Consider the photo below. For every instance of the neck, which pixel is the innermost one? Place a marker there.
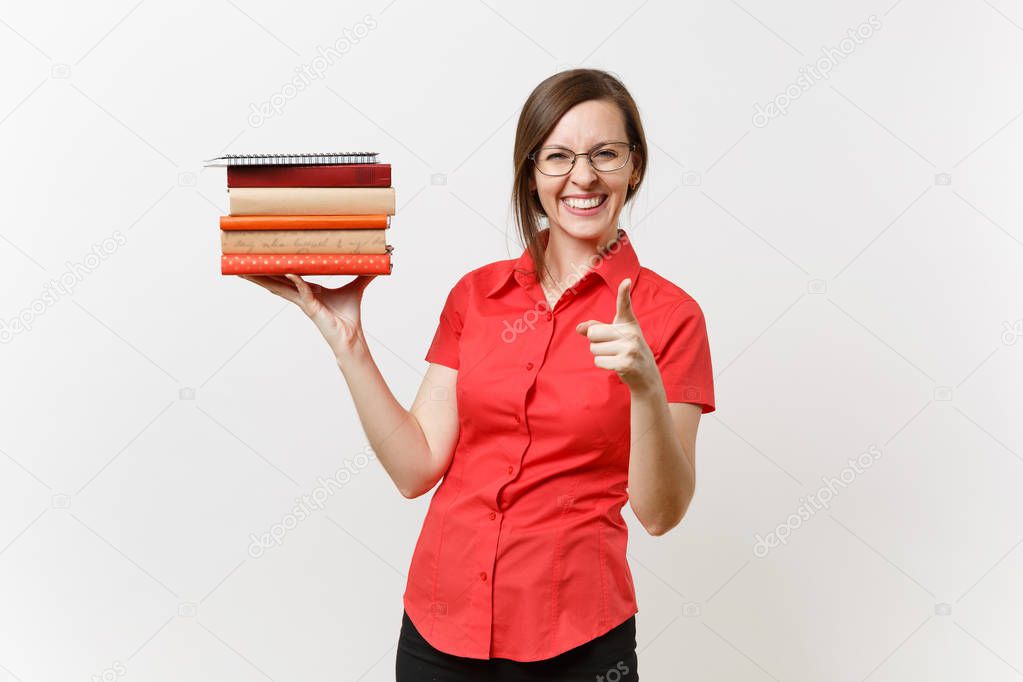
(569, 258)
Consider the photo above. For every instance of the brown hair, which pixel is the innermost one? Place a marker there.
(540, 114)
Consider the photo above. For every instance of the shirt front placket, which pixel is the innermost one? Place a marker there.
(532, 356)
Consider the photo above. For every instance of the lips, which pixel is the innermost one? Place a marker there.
(585, 207)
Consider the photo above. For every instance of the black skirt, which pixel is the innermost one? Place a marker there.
(611, 657)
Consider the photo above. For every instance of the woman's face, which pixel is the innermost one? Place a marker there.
(582, 127)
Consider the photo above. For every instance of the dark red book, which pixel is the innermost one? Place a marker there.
(337, 175)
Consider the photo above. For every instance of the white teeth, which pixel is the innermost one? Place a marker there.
(583, 203)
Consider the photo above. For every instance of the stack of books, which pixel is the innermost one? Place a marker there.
(306, 214)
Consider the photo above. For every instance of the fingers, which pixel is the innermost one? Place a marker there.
(301, 285)
(624, 312)
(305, 292)
(358, 285)
(362, 281)
(609, 347)
(600, 331)
(267, 281)
(284, 290)
(263, 279)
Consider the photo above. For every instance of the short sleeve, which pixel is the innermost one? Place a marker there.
(444, 347)
(683, 357)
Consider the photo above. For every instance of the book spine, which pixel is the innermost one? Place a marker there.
(351, 175)
(311, 200)
(304, 222)
(305, 264)
(303, 241)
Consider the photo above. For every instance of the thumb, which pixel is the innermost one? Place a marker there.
(359, 284)
(624, 312)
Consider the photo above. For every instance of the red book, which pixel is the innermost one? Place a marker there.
(339, 175)
(303, 222)
(305, 263)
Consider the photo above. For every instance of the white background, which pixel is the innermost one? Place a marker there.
(858, 260)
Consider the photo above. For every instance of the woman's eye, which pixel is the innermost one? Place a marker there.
(556, 156)
(606, 154)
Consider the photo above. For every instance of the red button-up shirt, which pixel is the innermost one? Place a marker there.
(522, 553)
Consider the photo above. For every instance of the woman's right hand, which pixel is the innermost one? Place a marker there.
(336, 312)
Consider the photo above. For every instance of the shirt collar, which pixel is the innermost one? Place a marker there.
(619, 262)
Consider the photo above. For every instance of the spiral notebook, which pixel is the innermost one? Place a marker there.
(327, 158)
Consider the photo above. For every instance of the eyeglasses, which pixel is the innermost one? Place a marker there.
(605, 158)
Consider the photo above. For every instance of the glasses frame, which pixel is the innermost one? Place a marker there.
(588, 155)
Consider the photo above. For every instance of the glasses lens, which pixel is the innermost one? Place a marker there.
(553, 161)
(611, 156)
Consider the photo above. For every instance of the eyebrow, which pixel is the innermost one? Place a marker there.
(561, 146)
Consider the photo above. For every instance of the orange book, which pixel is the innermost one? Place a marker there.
(306, 264)
(303, 222)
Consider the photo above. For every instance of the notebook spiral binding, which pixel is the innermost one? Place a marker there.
(318, 159)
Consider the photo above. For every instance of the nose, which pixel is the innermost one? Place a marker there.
(582, 173)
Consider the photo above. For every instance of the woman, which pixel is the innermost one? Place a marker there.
(562, 384)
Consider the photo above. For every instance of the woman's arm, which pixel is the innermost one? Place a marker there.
(662, 455)
(662, 459)
(414, 446)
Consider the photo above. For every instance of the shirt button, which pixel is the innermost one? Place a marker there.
(529, 365)
(483, 576)
(493, 515)
(518, 419)
(511, 469)
(550, 315)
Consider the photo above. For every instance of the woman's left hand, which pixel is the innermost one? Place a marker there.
(621, 346)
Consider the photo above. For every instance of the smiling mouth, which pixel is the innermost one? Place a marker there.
(584, 204)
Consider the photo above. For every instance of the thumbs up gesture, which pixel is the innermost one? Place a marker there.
(620, 345)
